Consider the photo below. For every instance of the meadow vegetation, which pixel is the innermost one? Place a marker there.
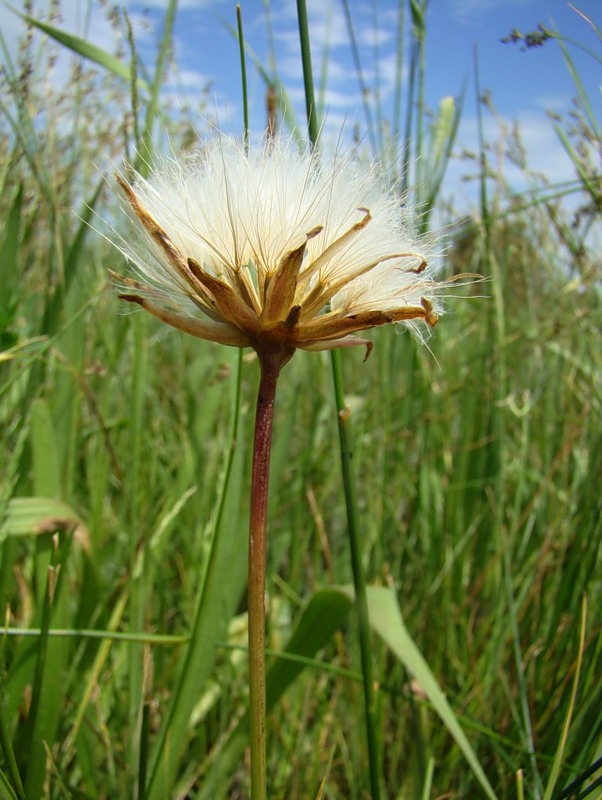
(125, 476)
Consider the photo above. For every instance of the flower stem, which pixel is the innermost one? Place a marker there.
(271, 361)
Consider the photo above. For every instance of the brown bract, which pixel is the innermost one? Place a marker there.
(287, 307)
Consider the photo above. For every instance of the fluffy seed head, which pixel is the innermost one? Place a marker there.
(274, 246)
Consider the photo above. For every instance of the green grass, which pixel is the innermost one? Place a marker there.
(478, 483)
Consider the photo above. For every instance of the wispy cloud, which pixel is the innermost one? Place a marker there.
(468, 12)
(182, 4)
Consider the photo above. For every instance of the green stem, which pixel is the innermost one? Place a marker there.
(359, 580)
(361, 600)
(420, 33)
(308, 76)
(271, 361)
(243, 75)
(13, 778)
(365, 93)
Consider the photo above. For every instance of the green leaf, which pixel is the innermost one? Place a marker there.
(11, 786)
(29, 347)
(583, 97)
(9, 266)
(560, 750)
(443, 127)
(76, 247)
(443, 136)
(418, 9)
(82, 48)
(590, 183)
(8, 793)
(153, 104)
(37, 515)
(323, 615)
(387, 622)
(43, 444)
(39, 735)
(220, 591)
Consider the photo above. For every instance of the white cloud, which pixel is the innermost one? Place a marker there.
(468, 12)
(182, 4)
(190, 79)
(558, 103)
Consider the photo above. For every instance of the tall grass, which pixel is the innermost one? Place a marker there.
(125, 483)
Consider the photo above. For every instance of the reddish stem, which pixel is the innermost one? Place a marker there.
(271, 361)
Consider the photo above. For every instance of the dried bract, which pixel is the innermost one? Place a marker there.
(273, 246)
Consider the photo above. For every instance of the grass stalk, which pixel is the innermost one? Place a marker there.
(8, 752)
(308, 75)
(243, 77)
(404, 181)
(152, 109)
(359, 579)
(557, 764)
(344, 428)
(380, 126)
(171, 739)
(357, 62)
(419, 9)
(399, 54)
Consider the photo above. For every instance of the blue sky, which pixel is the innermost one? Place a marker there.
(524, 85)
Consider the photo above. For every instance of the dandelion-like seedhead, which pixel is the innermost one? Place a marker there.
(273, 247)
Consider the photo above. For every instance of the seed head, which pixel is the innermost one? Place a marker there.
(274, 246)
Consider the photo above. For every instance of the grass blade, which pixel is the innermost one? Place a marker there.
(82, 48)
(11, 784)
(323, 615)
(558, 756)
(152, 107)
(219, 591)
(387, 622)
